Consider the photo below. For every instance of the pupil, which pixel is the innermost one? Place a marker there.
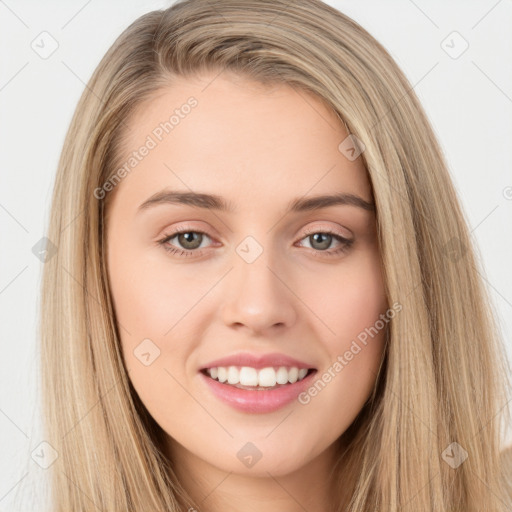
(188, 238)
(323, 244)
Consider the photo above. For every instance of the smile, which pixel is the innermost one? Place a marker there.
(246, 377)
(267, 391)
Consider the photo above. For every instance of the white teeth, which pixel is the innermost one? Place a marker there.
(282, 375)
(265, 377)
(293, 375)
(248, 376)
(233, 375)
(222, 374)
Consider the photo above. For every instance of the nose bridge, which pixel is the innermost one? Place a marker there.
(258, 296)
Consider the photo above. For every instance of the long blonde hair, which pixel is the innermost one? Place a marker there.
(444, 377)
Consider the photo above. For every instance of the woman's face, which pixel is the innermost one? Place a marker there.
(275, 273)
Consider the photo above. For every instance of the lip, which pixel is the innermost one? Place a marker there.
(258, 361)
(257, 401)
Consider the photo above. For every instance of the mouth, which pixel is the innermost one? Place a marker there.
(252, 379)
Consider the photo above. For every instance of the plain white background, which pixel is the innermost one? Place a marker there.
(468, 100)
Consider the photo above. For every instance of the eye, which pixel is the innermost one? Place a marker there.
(322, 240)
(191, 240)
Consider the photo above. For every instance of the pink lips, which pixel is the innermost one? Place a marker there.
(257, 401)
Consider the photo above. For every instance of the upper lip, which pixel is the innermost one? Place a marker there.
(258, 361)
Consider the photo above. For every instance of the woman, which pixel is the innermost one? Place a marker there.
(263, 366)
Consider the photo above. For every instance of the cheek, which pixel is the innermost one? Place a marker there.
(160, 313)
(152, 303)
(150, 295)
(352, 298)
(144, 305)
(352, 310)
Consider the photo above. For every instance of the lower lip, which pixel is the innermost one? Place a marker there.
(257, 401)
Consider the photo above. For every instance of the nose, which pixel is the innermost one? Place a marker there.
(258, 296)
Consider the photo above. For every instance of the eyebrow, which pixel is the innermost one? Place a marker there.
(215, 202)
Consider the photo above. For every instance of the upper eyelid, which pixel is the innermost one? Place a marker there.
(205, 232)
(333, 231)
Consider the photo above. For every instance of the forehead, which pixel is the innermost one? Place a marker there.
(227, 135)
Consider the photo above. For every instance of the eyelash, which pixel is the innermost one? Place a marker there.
(346, 243)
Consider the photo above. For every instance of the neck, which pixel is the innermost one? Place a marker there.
(311, 487)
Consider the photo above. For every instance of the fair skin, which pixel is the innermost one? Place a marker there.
(259, 149)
